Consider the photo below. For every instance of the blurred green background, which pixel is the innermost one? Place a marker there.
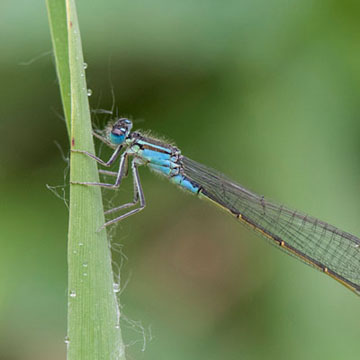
(264, 91)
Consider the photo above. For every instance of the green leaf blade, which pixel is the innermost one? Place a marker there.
(93, 309)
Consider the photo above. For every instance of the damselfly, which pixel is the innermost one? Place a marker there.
(325, 247)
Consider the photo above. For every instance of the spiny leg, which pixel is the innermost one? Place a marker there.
(107, 172)
(113, 173)
(124, 206)
(119, 176)
(113, 157)
(140, 195)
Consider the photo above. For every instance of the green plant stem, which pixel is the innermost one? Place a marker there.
(93, 310)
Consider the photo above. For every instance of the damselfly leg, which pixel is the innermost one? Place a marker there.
(138, 197)
(120, 174)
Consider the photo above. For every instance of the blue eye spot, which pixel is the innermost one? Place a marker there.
(117, 139)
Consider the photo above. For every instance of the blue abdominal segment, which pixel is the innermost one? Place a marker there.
(164, 170)
(164, 161)
(185, 183)
(156, 157)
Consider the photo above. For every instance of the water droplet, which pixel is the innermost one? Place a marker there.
(117, 326)
(85, 274)
(72, 293)
(67, 340)
(85, 65)
(116, 287)
(89, 92)
(85, 264)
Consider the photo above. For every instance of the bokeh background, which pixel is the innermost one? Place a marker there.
(264, 91)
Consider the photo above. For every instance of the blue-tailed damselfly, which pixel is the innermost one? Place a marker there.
(327, 248)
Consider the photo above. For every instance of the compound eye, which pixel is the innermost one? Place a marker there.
(117, 136)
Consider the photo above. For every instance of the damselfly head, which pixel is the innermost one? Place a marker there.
(120, 131)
